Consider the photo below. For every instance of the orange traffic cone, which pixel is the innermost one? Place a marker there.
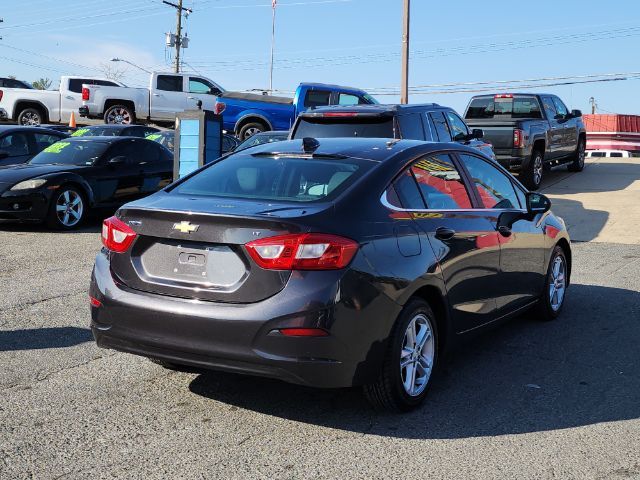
(72, 120)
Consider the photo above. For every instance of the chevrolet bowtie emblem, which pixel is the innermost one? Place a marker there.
(185, 227)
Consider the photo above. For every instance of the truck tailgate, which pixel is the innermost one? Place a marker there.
(499, 134)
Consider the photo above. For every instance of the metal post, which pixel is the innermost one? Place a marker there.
(273, 39)
(404, 82)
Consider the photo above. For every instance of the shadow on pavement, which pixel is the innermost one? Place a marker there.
(41, 338)
(525, 376)
(583, 224)
(92, 224)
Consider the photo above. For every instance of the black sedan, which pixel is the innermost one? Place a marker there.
(141, 131)
(19, 144)
(331, 264)
(60, 184)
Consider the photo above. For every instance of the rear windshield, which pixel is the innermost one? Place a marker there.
(319, 127)
(97, 131)
(275, 178)
(518, 106)
(71, 153)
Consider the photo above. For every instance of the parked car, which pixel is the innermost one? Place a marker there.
(20, 144)
(67, 179)
(167, 138)
(13, 83)
(141, 131)
(246, 114)
(34, 107)
(328, 263)
(530, 133)
(167, 94)
(430, 122)
(263, 137)
(608, 153)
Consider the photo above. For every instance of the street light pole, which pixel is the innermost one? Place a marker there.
(273, 39)
(130, 63)
(404, 82)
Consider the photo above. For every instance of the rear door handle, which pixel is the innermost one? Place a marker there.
(444, 233)
(191, 98)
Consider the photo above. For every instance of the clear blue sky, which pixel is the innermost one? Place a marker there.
(353, 42)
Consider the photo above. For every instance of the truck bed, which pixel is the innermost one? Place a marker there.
(255, 97)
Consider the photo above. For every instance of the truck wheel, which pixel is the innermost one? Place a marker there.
(531, 175)
(578, 159)
(250, 129)
(30, 116)
(119, 115)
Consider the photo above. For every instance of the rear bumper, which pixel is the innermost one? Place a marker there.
(3, 114)
(83, 111)
(24, 206)
(244, 338)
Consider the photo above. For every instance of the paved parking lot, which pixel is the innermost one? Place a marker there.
(528, 400)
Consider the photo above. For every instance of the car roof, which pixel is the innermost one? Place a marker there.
(110, 126)
(25, 128)
(103, 139)
(376, 149)
(374, 108)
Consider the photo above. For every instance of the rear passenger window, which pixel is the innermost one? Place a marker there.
(440, 182)
(169, 83)
(348, 99)
(616, 155)
(407, 192)
(316, 98)
(459, 129)
(411, 126)
(493, 186)
(442, 128)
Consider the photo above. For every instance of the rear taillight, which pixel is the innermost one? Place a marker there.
(94, 302)
(518, 138)
(85, 94)
(305, 251)
(219, 108)
(117, 236)
(1, 93)
(304, 332)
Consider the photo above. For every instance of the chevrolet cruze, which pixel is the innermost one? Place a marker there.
(328, 263)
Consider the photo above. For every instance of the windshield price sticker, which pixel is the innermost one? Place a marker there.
(80, 133)
(154, 136)
(56, 147)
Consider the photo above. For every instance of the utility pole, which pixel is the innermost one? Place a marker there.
(178, 43)
(594, 105)
(404, 82)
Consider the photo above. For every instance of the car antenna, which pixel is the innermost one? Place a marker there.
(310, 144)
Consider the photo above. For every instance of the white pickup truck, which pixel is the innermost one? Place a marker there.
(167, 94)
(33, 107)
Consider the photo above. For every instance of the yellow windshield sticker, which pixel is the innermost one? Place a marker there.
(154, 136)
(80, 132)
(56, 147)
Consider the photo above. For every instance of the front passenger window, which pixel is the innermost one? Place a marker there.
(493, 186)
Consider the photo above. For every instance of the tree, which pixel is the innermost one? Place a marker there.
(42, 83)
(111, 72)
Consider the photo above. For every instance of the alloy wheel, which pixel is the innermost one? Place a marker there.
(537, 169)
(417, 355)
(581, 153)
(557, 283)
(119, 116)
(30, 118)
(250, 132)
(69, 208)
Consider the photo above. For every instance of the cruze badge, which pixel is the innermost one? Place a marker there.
(185, 227)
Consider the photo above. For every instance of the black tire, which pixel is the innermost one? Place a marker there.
(531, 175)
(250, 129)
(30, 116)
(119, 115)
(56, 218)
(388, 392)
(545, 309)
(578, 158)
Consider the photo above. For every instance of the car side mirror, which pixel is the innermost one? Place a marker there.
(3, 154)
(576, 113)
(537, 203)
(477, 133)
(559, 116)
(119, 160)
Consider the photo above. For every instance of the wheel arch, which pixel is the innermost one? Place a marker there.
(566, 248)
(80, 183)
(20, 105)
(436, 300)
(112, 102)
(251, 117)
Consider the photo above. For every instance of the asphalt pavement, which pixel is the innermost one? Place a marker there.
(526, 400)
